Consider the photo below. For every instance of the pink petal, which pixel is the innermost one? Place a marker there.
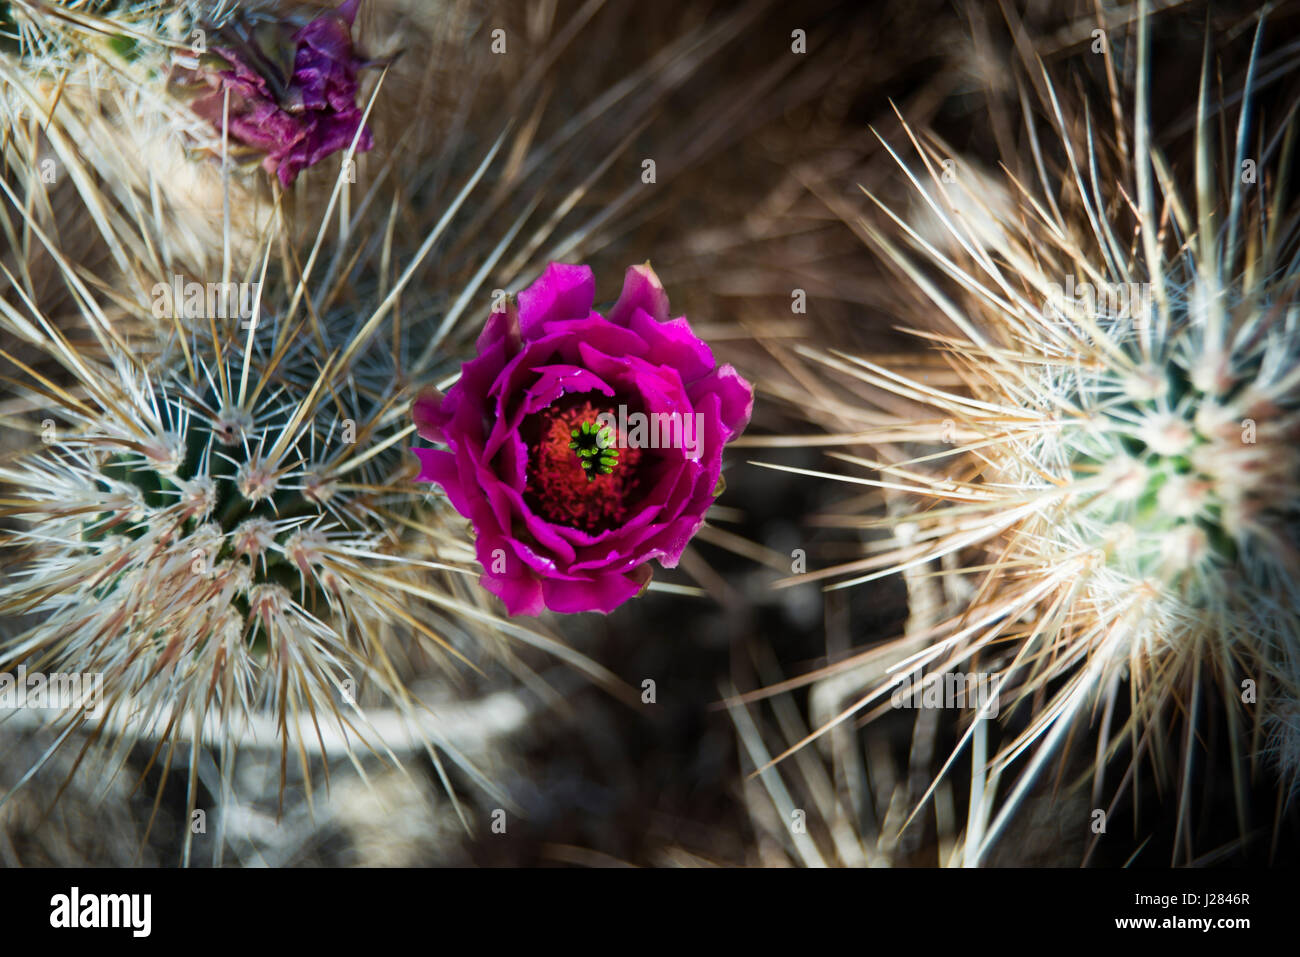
(599, 332)
(518, 588)
(554, 381)
(427, 412)
(438, 466)
(502, 325)
(641, 290)
(673, 343)
(735, 394)
(348, 11)
(561, 292)
(601, 593)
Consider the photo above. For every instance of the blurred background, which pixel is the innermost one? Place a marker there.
(763, 120)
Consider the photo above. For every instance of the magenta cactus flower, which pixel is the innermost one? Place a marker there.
(582, 446)
(293, 95)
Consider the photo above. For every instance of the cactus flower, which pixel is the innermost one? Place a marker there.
(293, 95)
(582, 446)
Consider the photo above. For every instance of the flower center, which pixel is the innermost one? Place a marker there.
(577, 473)
(593, 443)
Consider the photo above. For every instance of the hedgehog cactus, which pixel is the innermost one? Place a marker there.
(1121, 471)
(214, 508)
(223, 540)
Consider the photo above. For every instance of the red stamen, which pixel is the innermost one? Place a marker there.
(559, 489)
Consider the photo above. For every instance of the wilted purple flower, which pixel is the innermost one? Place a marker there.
(580, 446)
(293, 95)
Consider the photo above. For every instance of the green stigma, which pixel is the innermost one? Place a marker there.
(593, 444)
